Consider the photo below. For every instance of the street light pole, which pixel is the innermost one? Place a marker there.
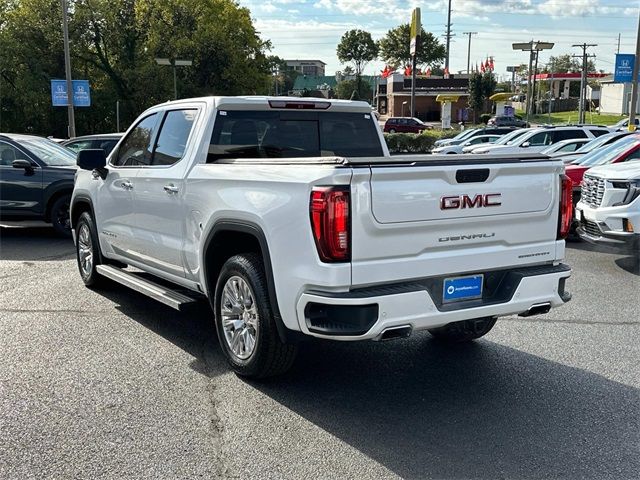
(71, 129)
(634, 84)
(174, 63)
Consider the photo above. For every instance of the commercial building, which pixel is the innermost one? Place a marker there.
(615, 98)
(307, 67)
(394, 96)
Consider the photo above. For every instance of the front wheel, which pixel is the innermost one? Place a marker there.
(464, 331)
(392, 130)
(245, 322)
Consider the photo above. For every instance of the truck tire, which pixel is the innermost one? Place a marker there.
(245, 322)
(88, 251)
(60, 218)
(464, 331)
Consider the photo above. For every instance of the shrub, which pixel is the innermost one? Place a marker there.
(414, 142)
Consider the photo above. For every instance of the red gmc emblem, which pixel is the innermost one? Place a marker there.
(465, 201)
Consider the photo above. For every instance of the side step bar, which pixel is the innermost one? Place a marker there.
(150, 289)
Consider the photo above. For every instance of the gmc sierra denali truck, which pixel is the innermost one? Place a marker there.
(292, 218)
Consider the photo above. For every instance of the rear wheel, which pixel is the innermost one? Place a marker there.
(392, 130)
(245, 322)
(464, 331)
(60, 216)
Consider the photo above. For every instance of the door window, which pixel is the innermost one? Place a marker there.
(570, 147)
(560, 135)
(136, 148)
(539, 139)
(8, 154)
(79, 145)
(173, 136)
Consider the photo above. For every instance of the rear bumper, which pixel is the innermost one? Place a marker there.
(365, 314)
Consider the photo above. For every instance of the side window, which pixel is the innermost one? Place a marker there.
(560, 135)
(542, 138)
(106, 145)
(570, 147)
(8, 154)
(79, 145)
(635, 155)
(173, 136)
(136, 148)
(597, 133)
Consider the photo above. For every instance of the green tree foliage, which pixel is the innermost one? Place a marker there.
(394, 48)
(481, 87)
(285, 75)
(346, 89)
(358, 48)
(113, 45)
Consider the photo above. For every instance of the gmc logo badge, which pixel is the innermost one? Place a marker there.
(465, 201)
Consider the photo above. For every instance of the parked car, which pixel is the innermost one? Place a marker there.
(292, 218)
(506, 139)
(593, 144)
(469, 143)
(459, 137)
(475, 133)
(609, 209)
(36, 180)
(565, 146)
(104, 141)
(624, 124)
(405, 125)
(623, 150)
(538, 139)
(508, 121)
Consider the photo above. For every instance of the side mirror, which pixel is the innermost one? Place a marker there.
(22, 163)
(92, 159)
(526, 144)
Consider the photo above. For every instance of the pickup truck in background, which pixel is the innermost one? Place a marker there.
(294, 221)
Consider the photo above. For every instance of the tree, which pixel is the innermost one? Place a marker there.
(347, 88)
(567, 64)
(481, 87)
(394, 48)
(358, 48)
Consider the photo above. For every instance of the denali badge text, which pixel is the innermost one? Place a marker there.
(466, 201)
(472, 236)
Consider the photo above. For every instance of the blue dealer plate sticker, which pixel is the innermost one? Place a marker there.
(462, 288)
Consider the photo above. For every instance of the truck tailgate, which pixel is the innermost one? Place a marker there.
(438, 218)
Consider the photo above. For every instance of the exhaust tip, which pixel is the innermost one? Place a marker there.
(391, 333)
(539, 309)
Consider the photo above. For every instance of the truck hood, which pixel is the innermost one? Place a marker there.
(618, 171)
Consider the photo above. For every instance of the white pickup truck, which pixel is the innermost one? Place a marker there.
(292, 218)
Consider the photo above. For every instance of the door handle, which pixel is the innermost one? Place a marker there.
(126, 184)
(171, 188)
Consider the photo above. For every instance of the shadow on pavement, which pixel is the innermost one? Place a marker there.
(481, 410)
(422, 409)
(34, 244)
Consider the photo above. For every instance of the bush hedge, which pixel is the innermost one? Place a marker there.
(416, 142)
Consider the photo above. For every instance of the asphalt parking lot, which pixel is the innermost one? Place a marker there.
(111, 384)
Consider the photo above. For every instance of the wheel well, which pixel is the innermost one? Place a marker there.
(52, 200)
(78, 208)
(224, 245)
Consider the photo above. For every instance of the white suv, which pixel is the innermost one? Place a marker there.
(609, 209)
(540, 138)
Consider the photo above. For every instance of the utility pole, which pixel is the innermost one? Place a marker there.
(618, 50)
(469, 50)
(533, 87)
(448, 36)
(583, 79)
(71, 129)
(634, 84)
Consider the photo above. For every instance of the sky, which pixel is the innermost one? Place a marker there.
(311, 29)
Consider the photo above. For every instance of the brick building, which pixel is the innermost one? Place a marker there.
(394, 90)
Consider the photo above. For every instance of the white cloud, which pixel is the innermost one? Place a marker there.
(268, 7)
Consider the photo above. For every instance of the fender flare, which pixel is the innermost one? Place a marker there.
(250, 228)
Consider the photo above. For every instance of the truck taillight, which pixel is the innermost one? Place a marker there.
(329, 208)
(566, 207)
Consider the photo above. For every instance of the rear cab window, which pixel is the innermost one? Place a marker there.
(291, 134)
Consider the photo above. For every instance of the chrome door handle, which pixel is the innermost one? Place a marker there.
(171, 188)
(126, 184)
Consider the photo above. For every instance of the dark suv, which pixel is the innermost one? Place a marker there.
(36, 180)
(404, 125)
(507, 121)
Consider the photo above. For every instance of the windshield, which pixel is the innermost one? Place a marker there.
(50, 152)
(597, 142)
(609, 153)
(509, 137)
(290, 134)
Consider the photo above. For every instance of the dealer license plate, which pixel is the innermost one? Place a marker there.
(462, 288)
